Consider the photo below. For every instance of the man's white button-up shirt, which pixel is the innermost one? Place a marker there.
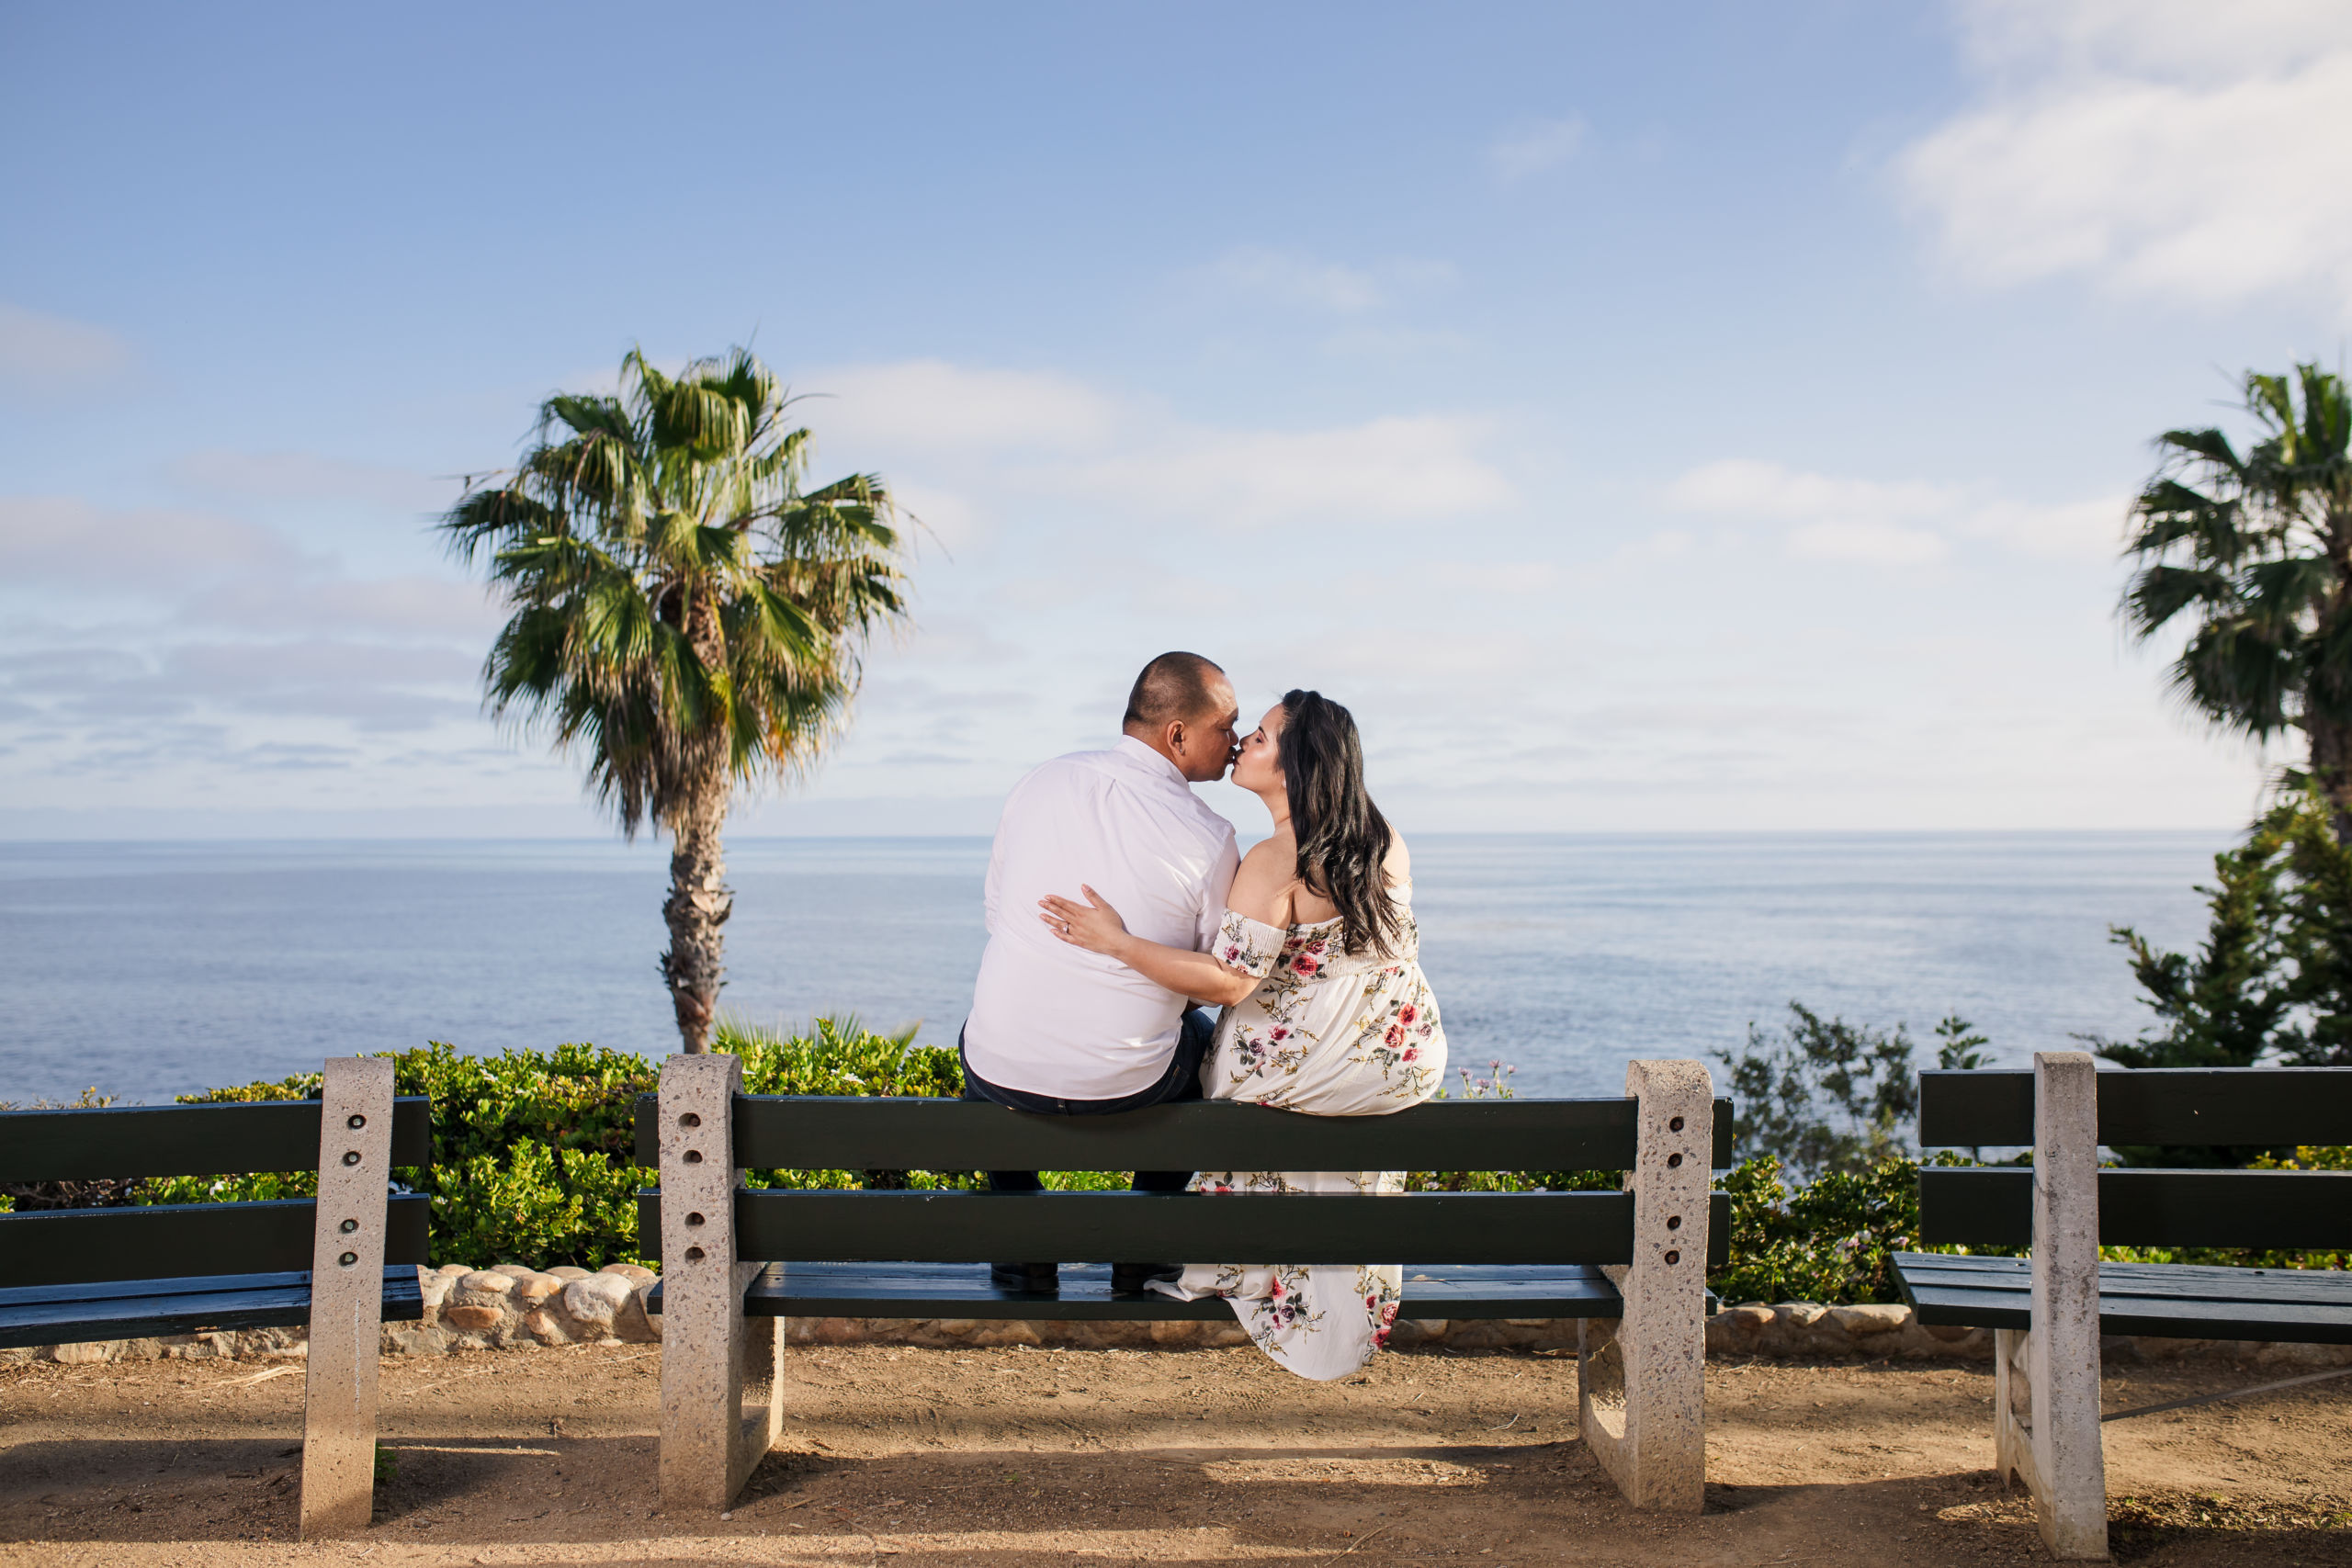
(1048, 1018)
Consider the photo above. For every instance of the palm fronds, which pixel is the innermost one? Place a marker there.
(680, 598)
(2252, 550)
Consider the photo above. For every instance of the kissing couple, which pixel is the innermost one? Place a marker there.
(1119, 911)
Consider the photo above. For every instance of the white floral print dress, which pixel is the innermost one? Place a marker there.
(1330, 1034)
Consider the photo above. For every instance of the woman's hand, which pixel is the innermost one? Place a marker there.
(1093, 925)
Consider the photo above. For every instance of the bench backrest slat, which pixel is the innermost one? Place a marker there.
(831, 1133)
(2187, 1106)
(1992, 1206)
(72, 1246)
(979, 1227)
(187, 1140)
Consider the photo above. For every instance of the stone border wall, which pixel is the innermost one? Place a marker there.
(512, 1307)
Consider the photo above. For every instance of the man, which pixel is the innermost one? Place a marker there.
(1060, 1030)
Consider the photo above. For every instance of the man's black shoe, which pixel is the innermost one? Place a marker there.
(1031, 1279)
(1129, 1278)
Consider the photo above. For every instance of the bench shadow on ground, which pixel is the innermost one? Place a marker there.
(557, 1490)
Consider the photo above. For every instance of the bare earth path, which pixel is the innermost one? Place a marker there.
(1000, 1459)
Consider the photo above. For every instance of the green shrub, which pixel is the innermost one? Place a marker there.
(1827, 1242)
(533, 1151)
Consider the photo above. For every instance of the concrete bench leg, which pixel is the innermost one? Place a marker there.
(2046, 1398)
(347, 1297)
(1642, 1394)
(709, 1448)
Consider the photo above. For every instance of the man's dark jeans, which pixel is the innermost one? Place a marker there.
(1181, 1081)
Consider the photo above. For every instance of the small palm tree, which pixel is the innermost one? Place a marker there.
(687, 616)
(2253, 553)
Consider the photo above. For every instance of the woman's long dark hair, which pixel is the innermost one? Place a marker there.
(1343, 840)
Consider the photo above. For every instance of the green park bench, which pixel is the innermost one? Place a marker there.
(735, 1260)
(2048, 1313)
(342, 1263)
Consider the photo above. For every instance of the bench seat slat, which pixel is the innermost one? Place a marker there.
(65, 1246)
(140, 1309)
(2163, 1300)
(187, 1140)
(2202, 1281)
(1545, 1228)
(964, 1289)
(831, 1133)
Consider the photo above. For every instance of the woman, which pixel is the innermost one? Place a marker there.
(1326, 1012)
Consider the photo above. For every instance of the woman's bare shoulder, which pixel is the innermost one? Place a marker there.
(1262, 888)
(1398, 866)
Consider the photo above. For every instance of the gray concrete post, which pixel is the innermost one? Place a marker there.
(1642, 1397)
(2062, 1362)
(347, 1296)
(707, 1450)
(2013, 1409)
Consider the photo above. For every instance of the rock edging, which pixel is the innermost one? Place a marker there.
(509, 1306)
(506, 1306)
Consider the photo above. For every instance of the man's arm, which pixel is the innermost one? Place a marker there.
(992, 890)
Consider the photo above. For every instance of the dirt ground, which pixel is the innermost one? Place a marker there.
(999, 1459)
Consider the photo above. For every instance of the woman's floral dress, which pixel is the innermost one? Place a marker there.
(1330, 1034)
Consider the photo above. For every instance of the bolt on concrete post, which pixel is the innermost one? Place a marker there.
(2062, 1351)
(1653, 1443)
(706, 1451)
(347, 1296)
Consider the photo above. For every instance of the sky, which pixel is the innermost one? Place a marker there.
(1714, 418)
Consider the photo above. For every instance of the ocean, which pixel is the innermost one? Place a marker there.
(147, 970)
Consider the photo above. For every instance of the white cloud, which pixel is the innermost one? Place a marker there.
(306, 476)
(966, 431)
(1898, 522)
(1532, 149)
(39, 352)
(50, 541)
(1288, 278)
(926, 407)
(2176, 150)
(1884, 544)
(1389, 469)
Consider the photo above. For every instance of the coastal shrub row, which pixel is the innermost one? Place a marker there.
(534, 1162)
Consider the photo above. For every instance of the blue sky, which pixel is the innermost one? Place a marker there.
(1721, 421)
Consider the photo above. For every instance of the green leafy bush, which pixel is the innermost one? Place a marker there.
(533, 1151)
(1827, 1242)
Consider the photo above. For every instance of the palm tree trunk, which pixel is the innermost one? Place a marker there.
(2332, 769)
(697, 907)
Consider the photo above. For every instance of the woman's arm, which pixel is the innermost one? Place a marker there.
(1096, 927)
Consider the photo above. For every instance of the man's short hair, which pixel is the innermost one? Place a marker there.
(1173, 686)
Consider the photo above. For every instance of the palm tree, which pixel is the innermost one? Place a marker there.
(687, 616)
(2253, 553)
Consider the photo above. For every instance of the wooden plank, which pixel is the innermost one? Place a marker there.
(141, 1309)
(650, 1221)
(958, 1227)
(2203, 1282)
(64, 1247)
(187, 1140)
(2209, 1106)
(1977, 1206)
(2258, 1209)
(964, 1289)
(2162, 1300)
(949, 1134)
(1971, 1110)
(840, 1132)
